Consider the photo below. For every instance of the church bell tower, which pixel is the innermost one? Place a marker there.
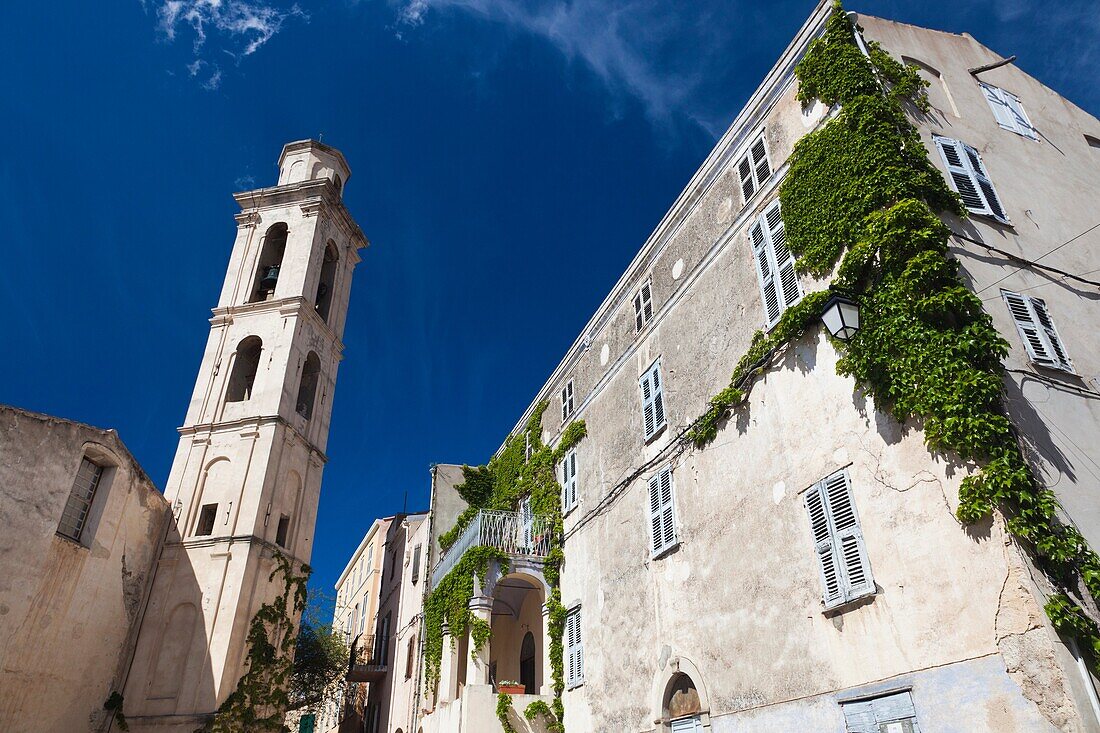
(246, 478)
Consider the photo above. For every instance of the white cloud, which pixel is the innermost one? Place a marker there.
(239, 28)
(626, 43)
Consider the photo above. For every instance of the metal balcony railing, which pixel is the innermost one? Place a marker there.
(368, 660)
(521, 534)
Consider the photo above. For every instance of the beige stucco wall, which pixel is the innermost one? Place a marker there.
(956, 617)
(68, 610)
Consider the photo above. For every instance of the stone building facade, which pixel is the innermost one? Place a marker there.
(695, 596)
(82, 526)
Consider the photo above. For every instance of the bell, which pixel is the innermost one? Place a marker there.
(271, 277)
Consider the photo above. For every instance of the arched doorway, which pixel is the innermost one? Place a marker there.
(527, 664)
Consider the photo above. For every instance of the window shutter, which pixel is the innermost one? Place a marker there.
(760, 161)
(574, 650)
(416, 564)
(852, 552)
(993, 203)
(662, 518)
(997, 103)
(638, 312)
(653, 403)
(1041, 340)
(569, 481)
(1023, 123)
(951, 150)
(754, 168)
(838, 540)
(687, 725)
(832, 593)
(748, 185)
(779, 286)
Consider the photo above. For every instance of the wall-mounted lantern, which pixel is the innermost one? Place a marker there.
(841, 317)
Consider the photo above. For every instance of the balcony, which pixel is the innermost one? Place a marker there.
(520, 534)
(368, 661)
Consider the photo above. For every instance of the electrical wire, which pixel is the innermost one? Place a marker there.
(1031, 263)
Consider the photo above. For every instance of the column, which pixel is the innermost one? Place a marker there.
(547, 667)
(477, 663)
(448, 670)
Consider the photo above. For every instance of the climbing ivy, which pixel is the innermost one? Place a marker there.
(537, 708)
(504, 704)
(861, 199)
(260, 700)
(524, 466)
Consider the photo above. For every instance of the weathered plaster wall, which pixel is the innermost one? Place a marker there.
(68, 610)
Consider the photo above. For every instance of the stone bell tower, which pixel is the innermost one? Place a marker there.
(247, 474)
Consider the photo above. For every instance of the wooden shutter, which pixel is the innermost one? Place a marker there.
(754, 168)
(748, 184)
(970, 178)
(569, 481)
(1041, 340)
(838, 541)
(653, 403)
(1020, 118)
(687, 725)
(567, 401)
(662, 517)
(779, 286)
(997, 103)
(574, 650)
(761, 166)
(876, 714)
(992, 201)
(416, 564)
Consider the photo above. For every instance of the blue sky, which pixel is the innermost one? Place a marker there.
(509, 159)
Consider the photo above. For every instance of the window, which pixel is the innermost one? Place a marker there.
(753, 169)
(528, 448)
(269, 263)
(246, 362)
(653, 401)
(281, 532)
(970, 179)
(1041, 340)
(892, 713)
(662, 515)
(1008, 111)
(567, 401)
(841, 554)
(574, 650)
(363, 618)
(75, 514)
(307, 388)
(779, 286)
(569, 482)
(207, 517)
(416, 564)
(355, 617)
(327, 281)
(410, 657)
(1092, 142)
(643, 306)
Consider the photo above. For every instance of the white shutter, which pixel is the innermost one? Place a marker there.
(970, 178)
(569, 481)
(567, 401)
(688, 725)
(574, 650)
(832, 592)
(838, 540)
(527, 524)
(1008, 110)
(754, 168)
(1041, 340)
(643, 306)
(653, 403)
(779, 286)
(1023, 123)
(662, 516)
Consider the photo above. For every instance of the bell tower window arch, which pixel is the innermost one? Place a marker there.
(307, 387)
(269, 263)
(246, 364)
(326, 285)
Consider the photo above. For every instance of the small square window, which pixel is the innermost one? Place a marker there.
(206, 520)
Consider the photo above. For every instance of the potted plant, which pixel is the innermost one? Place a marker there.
(511, 687)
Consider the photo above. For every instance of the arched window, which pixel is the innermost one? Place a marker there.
(682, 707)
(939, 94)
(338, 182)
(328, 280)
(246, 363)
(307, 388)
(271, 259)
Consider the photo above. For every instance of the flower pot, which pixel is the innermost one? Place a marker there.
(511, 689)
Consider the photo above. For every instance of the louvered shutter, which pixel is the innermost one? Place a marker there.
(662, 517)
(687, 725)
(789, 289)
(765, 273)
(1036, 327)
(1039, 306)
(832, 592)
(953, 158)
(856, 570)
(647, 302)
(569, 481)
(653, 402)
(760, 162)
(748, 185)
(992, 201)
(638, 312)
(574, 650)
(527, 523)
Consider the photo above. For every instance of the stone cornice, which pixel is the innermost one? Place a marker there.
(319, 194)
(201, 431)
(293, 306)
